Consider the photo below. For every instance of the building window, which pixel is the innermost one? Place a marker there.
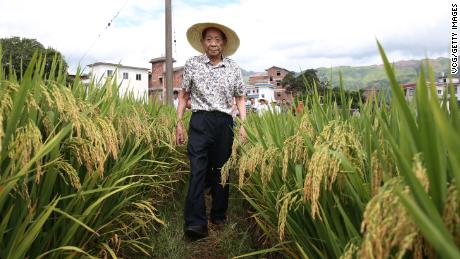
(263, 95)
(278, 72)
(138, 77)
(161, 80)
(125, 75)
(279, 95)
(439, 92)
(271, 78)
(257, 90)
(109, 72)
(278, 83)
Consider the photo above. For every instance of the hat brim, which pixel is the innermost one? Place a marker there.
(194, 35)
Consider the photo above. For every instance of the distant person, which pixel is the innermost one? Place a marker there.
(176, 99)
(275, 108)
(212, 81)
(300, 107)
(263, 107)
(254, 105)
(285, 107)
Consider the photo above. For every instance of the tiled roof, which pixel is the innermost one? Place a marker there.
(277, 67)
(259, 74)
(116, 65)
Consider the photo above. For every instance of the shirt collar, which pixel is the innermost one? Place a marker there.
(206, 60)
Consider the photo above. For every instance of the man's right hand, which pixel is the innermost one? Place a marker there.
(180, 137)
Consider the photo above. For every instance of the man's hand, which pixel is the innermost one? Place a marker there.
(241, 104)
(184, 97)
(242, 135)
(180, 137)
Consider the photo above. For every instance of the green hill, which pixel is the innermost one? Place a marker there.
(374, 76)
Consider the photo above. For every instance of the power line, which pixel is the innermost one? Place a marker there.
(101, 33)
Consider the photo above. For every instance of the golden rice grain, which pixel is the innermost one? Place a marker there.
(230, 164)
(252, 158)
(27, 141)
(377, 173)
(451, 216)
(66, 170)
(420, 172)
(386, 226)
(282, 217)
(270, 159)
(349, 251)
(324, 166)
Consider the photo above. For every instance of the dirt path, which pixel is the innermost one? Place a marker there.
(232, 239)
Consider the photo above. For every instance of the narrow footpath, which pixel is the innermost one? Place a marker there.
(235, 238)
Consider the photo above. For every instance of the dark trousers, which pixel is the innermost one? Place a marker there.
(209, 147)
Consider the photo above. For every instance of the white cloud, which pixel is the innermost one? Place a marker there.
(289, 33)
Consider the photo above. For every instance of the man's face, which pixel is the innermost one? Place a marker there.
(253, 101)
(213, 43)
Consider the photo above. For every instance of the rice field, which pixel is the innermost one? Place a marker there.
(83, 171)
(379, 184)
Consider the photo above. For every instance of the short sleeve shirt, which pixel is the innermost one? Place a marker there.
(212, 87)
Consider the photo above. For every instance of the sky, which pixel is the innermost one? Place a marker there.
(293, 34)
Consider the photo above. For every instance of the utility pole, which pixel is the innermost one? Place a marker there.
(168, 64)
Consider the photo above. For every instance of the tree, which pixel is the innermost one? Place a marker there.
(300, 84)
(288, 80)
(20, 51)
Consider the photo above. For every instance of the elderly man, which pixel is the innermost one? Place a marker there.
(211, 81)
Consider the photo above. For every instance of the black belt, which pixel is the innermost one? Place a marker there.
(215, 113)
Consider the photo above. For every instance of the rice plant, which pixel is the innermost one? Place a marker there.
(380, 184)
(81, 168)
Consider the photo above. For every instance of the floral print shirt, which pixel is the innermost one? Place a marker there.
(212, 87)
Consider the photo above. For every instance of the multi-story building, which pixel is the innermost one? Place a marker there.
(157, 84)
(442, 84)
(131, 79)
(267, 85)
(275, 76)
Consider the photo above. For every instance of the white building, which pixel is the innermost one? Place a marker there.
(133, 80)
(442, 85)
(261, 90)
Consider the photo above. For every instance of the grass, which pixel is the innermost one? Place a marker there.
(236, 237)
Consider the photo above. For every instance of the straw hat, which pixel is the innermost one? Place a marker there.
(194, 34)
(262, 100)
